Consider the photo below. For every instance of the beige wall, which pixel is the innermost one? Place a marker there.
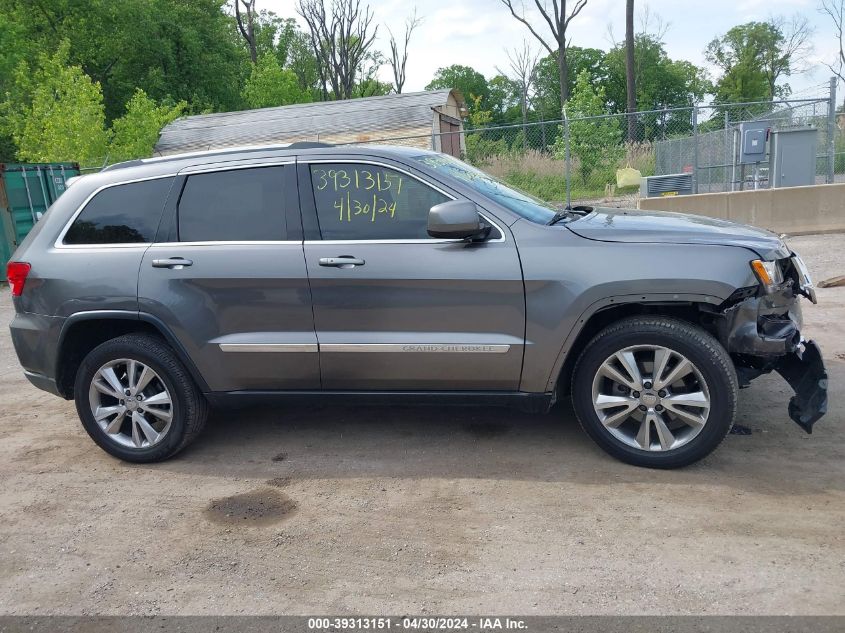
(419, 136)
(814, 209)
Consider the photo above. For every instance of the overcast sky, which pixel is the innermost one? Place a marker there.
(477, 32)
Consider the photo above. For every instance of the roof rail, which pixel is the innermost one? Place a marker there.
(198, 154)
(308, 145)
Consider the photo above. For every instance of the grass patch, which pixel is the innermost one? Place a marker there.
(544, 176)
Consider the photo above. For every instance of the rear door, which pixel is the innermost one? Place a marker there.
(227, 276)
(395, 309)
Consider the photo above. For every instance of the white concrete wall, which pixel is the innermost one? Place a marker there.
(794, 210)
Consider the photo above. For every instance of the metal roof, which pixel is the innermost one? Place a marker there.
(304, 120)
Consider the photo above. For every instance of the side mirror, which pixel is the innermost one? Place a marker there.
(456, 219)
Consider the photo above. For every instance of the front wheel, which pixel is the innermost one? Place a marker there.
(655, 391)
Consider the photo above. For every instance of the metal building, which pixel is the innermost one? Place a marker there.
(429, 120)
(26, 191)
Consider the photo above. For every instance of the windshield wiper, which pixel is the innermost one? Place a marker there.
(561, 215)
(570, 213)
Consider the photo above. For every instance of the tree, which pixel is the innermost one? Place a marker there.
(835, 11)
(367, 83)
(246, 25)
(340, 40)
(271, 34)
(135, 134)
(546, 81)
(60, 115)
(660, 81)
(399, 52)
(169, 48)
(14, 49)
(523, 63)
(796, 46)
(558, 20)
(468, 81)
(504, 101)
(271, 85)
(755, 55)
(299, 58)
(630, 75)
(595, 142)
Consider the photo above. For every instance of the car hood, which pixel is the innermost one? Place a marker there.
(664, 227)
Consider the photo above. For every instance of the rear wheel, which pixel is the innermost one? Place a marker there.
(655, 392)
(137, 401)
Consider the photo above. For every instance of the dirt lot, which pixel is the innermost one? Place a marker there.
(426, 510)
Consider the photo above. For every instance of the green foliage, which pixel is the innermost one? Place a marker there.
(547, 187)
(282, 38)
(504, 100)
(58, 115)
(595, 143)
(367, 83)
(271, 85)
(591, 60)
(135, 134)
(480, 150)
(751, 57)
(660, 81)
(300, 59)
(169, 48)
(471, 84)
(176, 52)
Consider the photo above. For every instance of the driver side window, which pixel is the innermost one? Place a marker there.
(360, 201)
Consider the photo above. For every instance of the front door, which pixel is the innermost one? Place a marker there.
(393, 308)
(227, 276)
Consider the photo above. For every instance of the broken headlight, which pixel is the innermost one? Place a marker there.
(768, 274)
(805, 282)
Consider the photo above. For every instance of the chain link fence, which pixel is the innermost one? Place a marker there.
(601, 159)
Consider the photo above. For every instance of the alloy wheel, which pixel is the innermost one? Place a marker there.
(651, 397)
(130, 403)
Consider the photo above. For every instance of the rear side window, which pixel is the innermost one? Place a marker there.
(360, 201)
(123, 214)
(240, 205)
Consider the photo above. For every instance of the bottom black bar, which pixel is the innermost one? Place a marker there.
(486, 624)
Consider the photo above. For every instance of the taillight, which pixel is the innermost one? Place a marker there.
(16, 273)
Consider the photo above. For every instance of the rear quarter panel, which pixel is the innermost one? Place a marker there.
(67, 280)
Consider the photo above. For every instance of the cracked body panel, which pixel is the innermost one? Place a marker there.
(763, 333)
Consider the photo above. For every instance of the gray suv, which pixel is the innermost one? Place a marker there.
(158, 288)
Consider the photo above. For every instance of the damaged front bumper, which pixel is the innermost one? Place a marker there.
(763, 334)
(804, 370)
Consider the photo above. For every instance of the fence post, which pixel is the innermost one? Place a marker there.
(728, 142)
(695, 152)
(568, 162)
(831, 132)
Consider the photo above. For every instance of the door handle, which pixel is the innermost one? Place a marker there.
(341, 261)
(176, 263)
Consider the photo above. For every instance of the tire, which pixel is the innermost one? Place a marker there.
(172, 407)
(669, 424)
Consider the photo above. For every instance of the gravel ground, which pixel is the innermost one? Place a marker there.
(433, 510)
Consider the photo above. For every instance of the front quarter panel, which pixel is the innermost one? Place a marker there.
(569, 278)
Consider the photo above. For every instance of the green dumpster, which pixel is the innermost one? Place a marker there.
(26, 191)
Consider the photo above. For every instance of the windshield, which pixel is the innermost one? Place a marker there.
(519, 202)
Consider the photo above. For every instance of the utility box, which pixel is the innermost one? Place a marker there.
(753, 136)
(26, 191)
(793, 161)
(666, 185)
